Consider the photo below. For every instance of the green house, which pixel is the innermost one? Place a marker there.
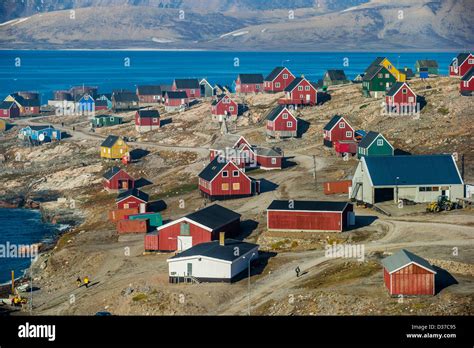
(430, 64)
(377, 80)
(374, 144)
(106, 121)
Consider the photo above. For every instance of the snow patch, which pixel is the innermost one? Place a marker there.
(235, 33)
(160, 40)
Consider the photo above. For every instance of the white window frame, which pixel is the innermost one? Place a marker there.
(300, 88)
(379, 142)
(155, 120)
(285, 116)
(235, 173)
(225, 174)
(231, 108)
(274, 160)
(277, 85)
(307, 88)
(404, 90)
(289, 124)
(349, 134)
(470, 61)
(342, 125)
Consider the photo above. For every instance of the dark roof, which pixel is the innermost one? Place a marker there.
(38, 128)
(212, 169)
(395, 87)
(213, 216)
(376, 62)
(293, 84)
(149, 90)
(100, 102)
(25, 102)
(307, 205)
(460, 58)
(110, 141)
(111, 173)
(251, 78)
(176, 95)
(6, 104)
(416, 170)
(402, 258)
(108, 116)
(427, 63)
(337, 75)
(275, 112)
(408, 72)
(371, 72)
(216, 101)
(125, 96)
(368, 139)
(135, 193)
(215, 250)
(275, 72)
(148, 113)
(334, 120)
(187, 83)
(467, 76)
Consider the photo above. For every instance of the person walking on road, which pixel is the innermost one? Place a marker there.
(79, 282)
(86, 282)
(297, 270)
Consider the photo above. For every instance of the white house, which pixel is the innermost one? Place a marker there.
(216, 261)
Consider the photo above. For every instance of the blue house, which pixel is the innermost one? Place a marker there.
(43, 134)
(85, 104)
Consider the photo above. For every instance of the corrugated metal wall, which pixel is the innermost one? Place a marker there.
(413, 280)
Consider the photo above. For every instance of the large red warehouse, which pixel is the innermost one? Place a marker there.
(405, 273)
(309, 216)
(118, 179)
(195, 228)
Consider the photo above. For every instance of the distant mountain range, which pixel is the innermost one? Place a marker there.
(303, 25)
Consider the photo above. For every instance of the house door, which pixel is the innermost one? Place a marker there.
(190, 269)
(308, 97)
(123, 184)
(142, 208)
(350, 218)
(445, 192)
(184, 242)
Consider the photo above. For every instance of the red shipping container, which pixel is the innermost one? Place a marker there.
(337, 187)
(152, 241)
(132, 226)
(345, 147)
(120, 214)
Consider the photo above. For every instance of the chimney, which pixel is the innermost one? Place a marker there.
(222, 238)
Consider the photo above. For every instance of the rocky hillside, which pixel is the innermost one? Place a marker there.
(307, 25)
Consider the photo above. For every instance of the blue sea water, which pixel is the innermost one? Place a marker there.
(21, 227)
(46, 71)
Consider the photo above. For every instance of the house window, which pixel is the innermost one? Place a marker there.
(470, 61)
(236, 186)
(342, 125)
(300, 88)
(235, 173)
(404, 91)
(466, 84)
(184, 229)
(289, 124)
(277, 85)
(193, 91)
(285, 76)
(111, 119)
(380, 76)
(285, 116)
(274, 160)
(379, 142)
(387, 76)
(411, 100)
(225, 187)
(389, 67)
(231, 108)
(155, 97)
(306, 88)
(155, 120)
(225, 174)
(348, 134)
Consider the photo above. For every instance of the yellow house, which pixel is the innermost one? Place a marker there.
(3, 125)
(394, 71)
(114, 147)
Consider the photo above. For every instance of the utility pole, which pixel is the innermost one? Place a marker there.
(314, 169)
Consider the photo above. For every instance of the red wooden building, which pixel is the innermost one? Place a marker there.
(149, 94)
(278, 80)
(224, 107)
(118, 179)
(337, 129)
(190, 86)
(101, 105)
(199, 227)
(175, 101)
(133, 198)
(28, 103)
(309, 216)
(249, 83)
(344, 147)
(147, 120)
(467, 82)
(223, 179)
(281, 123)
(405, 273)
(267, 158)
(400, 98)
(461, 64)
(9, 109)
(300, 92)
(235, 148)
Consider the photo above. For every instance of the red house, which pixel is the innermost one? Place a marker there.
(281, 123)
(190, 86)
(147, 120)
(278, 80)
(461, 64)
(467, 82)
(199, 227)
(249, 83)
(300, 92)
(224, 107)
(27, 106)
(101, 105)
(338, 129)
(175, 101)
(223, 179)
(9, 109)
(400, 98)
(118, 179)
(149, 94)
(405, 273)
(268, 159)
(309, 216)
(133, 198)
(235, 148)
